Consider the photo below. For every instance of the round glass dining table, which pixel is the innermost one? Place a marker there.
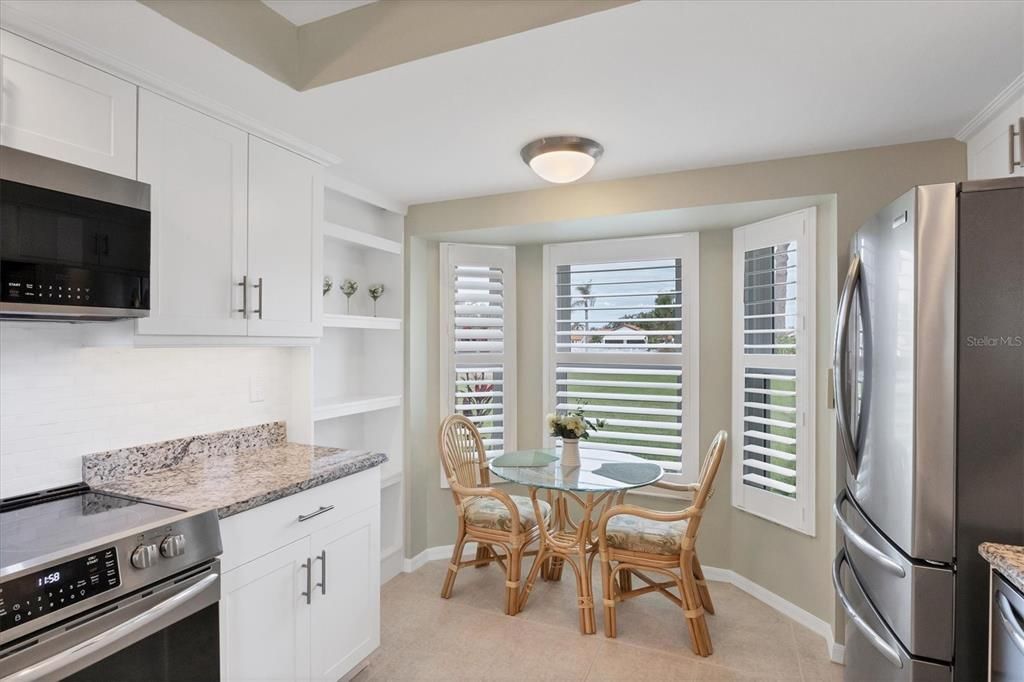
(602, 479)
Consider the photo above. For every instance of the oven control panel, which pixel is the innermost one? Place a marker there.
(57, 587)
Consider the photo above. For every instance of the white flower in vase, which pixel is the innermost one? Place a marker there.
(375, 291)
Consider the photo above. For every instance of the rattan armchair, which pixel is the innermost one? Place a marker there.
(634, 539)
(490, 517)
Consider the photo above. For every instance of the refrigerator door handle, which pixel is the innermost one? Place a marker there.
(862, 544)
(876, 640)
(838, 351)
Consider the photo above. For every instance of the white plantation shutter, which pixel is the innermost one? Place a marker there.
(773, 369)
(622, 341)
(478, 339)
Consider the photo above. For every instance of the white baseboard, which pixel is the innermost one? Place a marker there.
(783, 606)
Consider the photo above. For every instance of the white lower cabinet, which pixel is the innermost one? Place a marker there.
(346, 605)
(265, 623)
(300, 599)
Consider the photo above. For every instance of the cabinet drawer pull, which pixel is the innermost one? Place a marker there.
(1019, 134)
(322, 558)
(308, 594)
(318, 512)
(245, 297)
(259, 299)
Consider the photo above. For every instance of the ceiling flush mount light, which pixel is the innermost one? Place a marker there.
(562, 159)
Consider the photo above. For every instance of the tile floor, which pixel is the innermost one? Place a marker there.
(424, 637)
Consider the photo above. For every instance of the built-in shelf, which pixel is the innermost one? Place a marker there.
(391, 480)
(354, 236)
(361, 322)
(358, 405)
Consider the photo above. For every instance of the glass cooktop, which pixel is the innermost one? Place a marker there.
(38, 525)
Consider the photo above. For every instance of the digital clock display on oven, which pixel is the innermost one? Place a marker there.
(57, 587)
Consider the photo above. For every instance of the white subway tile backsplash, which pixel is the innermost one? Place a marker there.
(60, 400)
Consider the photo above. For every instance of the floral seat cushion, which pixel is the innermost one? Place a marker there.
(490, 512)
(636, 534)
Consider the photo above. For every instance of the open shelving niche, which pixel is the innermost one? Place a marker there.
(356, 373)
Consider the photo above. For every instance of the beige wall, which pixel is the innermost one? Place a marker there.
(793, 565)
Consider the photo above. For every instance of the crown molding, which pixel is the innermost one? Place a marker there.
(32, 29)
(345, 186)
(990, 110)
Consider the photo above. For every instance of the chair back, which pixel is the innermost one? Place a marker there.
(462, 453)
(706, 482)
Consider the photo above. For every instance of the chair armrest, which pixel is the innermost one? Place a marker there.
(677, 487)
(464, 492)
(642, 512)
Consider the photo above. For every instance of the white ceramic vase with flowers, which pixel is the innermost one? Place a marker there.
(571, 427)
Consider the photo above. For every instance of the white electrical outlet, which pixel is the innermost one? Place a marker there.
(256, 390)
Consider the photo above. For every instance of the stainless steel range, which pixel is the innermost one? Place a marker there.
(100, 586)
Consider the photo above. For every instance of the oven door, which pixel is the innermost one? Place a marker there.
(166, 632)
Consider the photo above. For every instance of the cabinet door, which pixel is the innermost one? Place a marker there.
(988, 150)
(285, 212)
(264, 618)
(346, 594)
(196, 167)
(58, 107)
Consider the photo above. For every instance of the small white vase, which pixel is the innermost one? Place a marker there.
(570, 452)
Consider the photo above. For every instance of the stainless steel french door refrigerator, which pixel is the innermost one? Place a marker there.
(929, 389)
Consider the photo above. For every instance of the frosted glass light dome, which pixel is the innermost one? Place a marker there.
(562, 159)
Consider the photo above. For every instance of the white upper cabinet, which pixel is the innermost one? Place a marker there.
(59, 107)
(993, 148)
(285, 210)
(197, 169)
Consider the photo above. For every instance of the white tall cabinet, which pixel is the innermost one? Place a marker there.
(59, 107)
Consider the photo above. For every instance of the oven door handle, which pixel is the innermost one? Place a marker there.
(79, 651)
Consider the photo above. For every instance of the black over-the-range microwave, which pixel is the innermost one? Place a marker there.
(74, 242)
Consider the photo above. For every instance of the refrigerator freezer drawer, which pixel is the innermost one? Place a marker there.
(914, 600)
(1007, 645)
(873, 653)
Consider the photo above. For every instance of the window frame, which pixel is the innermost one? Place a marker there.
(686, 247)
(796, 513)
(479, 255)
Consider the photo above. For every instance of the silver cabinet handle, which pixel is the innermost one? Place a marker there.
(1010, 622)
(876, 640)
(322, 558)
(838, 351)
(245, 297)
(1019, 134)
(861, 543)
(318, 512)
(90, 646)
(308, 594)
(259, 300)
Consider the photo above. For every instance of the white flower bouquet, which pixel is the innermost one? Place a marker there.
(573, 425)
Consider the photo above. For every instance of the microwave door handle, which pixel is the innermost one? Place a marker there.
(876, 640)
(1010, 622)
(861, 543)
(839, 365)
(54, 664)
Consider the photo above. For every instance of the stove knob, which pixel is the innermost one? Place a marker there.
(173, 545)
(143, 556)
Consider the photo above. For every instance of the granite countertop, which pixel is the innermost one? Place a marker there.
(230, 471)
(1007, 559)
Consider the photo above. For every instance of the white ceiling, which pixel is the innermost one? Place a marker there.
(301, 12)
(663, 85)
